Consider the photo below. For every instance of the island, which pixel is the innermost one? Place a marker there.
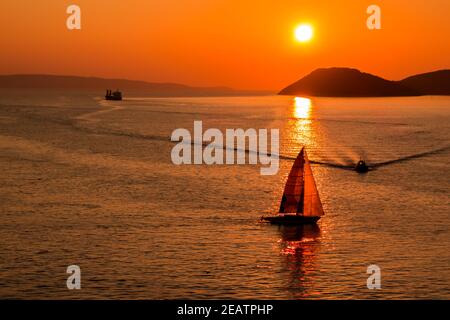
(349, 82)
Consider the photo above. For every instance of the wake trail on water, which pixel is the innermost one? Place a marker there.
(413, 156)
(349, 162)
(349, 159)
(92, 116)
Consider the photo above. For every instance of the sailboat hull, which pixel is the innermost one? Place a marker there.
(290, 219)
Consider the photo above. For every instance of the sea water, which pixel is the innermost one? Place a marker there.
(91, 183)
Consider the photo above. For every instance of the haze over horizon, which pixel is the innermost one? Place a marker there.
(222, 43)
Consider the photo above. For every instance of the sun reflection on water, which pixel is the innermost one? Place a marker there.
(299, 125)
(302, 108)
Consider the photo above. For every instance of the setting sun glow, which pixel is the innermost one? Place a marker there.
(304, 33)
(302, 107)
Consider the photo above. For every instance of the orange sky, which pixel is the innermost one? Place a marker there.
(237, 43)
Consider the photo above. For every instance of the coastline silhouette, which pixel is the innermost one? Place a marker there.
(348, 82)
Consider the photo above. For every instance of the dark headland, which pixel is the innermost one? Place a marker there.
(347, 82)
(130, 87)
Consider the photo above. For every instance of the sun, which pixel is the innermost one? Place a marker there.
(304, 33)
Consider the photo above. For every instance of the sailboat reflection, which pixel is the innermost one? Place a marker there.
(298, 247)
(294, 238)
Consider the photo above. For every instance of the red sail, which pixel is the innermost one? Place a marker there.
(300, 194)
(312, 206)
(292, 201)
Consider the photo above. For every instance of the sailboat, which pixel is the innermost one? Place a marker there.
(300, 203)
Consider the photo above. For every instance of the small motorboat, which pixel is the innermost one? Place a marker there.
(361, 167)
(300, 203)
(116, 95)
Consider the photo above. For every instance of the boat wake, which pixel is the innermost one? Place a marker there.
(412, 157)
(93, 115)
(349, 163)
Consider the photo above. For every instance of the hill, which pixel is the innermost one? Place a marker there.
(431, 83)
(130, 87)
(346, 82)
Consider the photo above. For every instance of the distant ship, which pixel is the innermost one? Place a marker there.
(116, 95)
(300, 203)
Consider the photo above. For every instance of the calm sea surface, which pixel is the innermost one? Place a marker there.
(91, 183)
